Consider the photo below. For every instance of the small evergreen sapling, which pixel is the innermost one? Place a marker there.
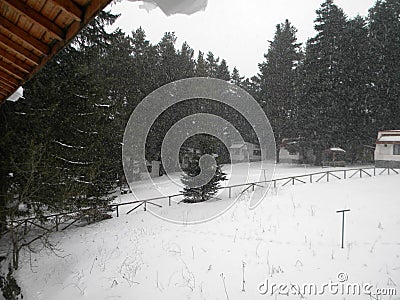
(195, 194)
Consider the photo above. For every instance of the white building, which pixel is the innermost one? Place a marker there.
(241, 152)
(387, 150)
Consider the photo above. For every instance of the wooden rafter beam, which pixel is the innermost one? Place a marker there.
(6, 87)
(70, 8)
(91, 11)
(4, 93)
(6, 83)
(17, 73)
(36, 18)
(15, 61)
(23, 35)
(8, 78)
(13, 68)
(10, 44)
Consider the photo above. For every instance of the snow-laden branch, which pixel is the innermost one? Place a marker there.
(69, 146)
(74, 162)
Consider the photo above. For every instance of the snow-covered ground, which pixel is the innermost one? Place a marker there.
(293, 237)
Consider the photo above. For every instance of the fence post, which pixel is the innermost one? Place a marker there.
(345, 173)
(310, 178)
(56, 223)
(275, 184)
(360, 173)
(253, 187)
(374, 171)
(229, 192)
(145, 205)
(169, 200)
(117, 211)
(327, 176)
(293, 181)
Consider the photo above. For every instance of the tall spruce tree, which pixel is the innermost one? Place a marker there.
(212, 64)
(323, 75)
(65, 129)
(145, 69)
(356, 89)
(252, 86)
(223, 71)
(236, 78)
(278, 91)
(384, 28)
(187, 63)
(59, 153)
(201, 66)
(169, 68)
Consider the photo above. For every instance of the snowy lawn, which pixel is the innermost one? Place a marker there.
(293, 237)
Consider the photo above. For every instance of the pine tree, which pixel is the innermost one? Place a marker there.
(212, 64)
(201, 66)
(384, 28)
(168, 59)
(356, 88)
(87, 140)
(193, 194)
(236, 78)
(186, 61)
(252, 86)
(144, 78)
(223, 71)
(278, 92)
(172, 65)
(323, 95)
(62, 152)
(70, 142)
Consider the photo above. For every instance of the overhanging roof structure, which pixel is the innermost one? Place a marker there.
(33, 31)
(388, 137)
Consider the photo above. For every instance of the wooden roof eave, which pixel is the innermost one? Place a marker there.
(26, 47)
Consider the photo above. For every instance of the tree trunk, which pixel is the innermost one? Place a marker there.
(318, 157)
(277, 154)
(3, 196)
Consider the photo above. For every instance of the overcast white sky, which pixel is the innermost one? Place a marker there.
(236, 30)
